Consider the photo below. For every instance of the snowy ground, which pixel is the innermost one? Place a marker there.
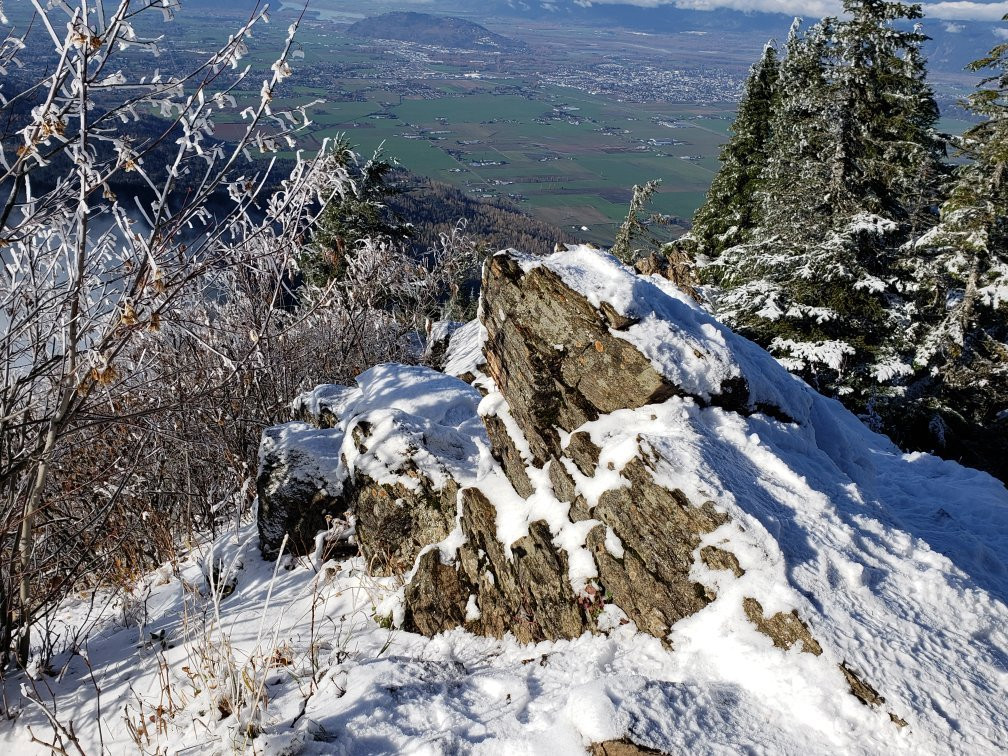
(897, 562)
(303, 658)
(321, 676)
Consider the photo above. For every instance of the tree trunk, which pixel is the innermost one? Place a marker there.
(27, 545)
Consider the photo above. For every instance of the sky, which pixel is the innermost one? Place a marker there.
(959, 10)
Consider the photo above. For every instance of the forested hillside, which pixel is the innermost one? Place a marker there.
(863, 248)
(434, 208)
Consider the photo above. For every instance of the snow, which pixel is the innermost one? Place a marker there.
(869, 223)
(682, 341)
(343, 684)
(798, 353)
(465, 350)
(443, 329)
(325, 398)
(412, 414)
(472, 609)
(897, 562)
(890, 367)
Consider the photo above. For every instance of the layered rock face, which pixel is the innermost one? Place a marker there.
(616, 457)
(554, 361)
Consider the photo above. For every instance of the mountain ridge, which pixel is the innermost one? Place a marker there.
(426, 28)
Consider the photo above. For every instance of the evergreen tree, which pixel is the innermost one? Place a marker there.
(634, 227)
(360, 212)
(866, 270)
(795, 195)
(958, 400)
(637, 244)
(729, 211)
(852, 167)
(891, 149)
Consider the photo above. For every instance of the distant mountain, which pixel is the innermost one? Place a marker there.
(443, 31)
(953, 44)
(660, 19)
(456, 23)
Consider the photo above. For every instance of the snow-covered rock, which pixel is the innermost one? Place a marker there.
(299, 484)
(439, 335)
(656, 468)
(643, 468)
(389, 452)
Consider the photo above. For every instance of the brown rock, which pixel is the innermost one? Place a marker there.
(528, 595)
(866, 694)
(507, 455)
(620, 748)
(783, 629)
(551, 354)
(659, 530)
(555, 359)
(719, 559)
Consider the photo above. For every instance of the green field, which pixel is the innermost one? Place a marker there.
(568, 157)
(564, 155)
(571, 167)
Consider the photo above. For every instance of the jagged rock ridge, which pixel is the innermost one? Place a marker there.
(642, 464)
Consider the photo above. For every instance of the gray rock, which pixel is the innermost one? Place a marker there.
(395, 522)
(389, 452)
(298, 487)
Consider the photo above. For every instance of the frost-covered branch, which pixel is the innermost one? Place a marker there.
(97, 292)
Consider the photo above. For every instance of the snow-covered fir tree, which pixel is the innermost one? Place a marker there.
(892, 157)
(730, 212)
(958, 400)
(797, 197)
(851, 145)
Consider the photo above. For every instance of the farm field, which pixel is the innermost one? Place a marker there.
(509, 125)
(567, 156)
(500, 126)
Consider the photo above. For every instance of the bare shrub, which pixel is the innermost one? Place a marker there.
(91, 286)
(145, 346)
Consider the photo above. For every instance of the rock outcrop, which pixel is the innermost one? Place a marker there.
(389, 453)
(606, 454)
(554, 362)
